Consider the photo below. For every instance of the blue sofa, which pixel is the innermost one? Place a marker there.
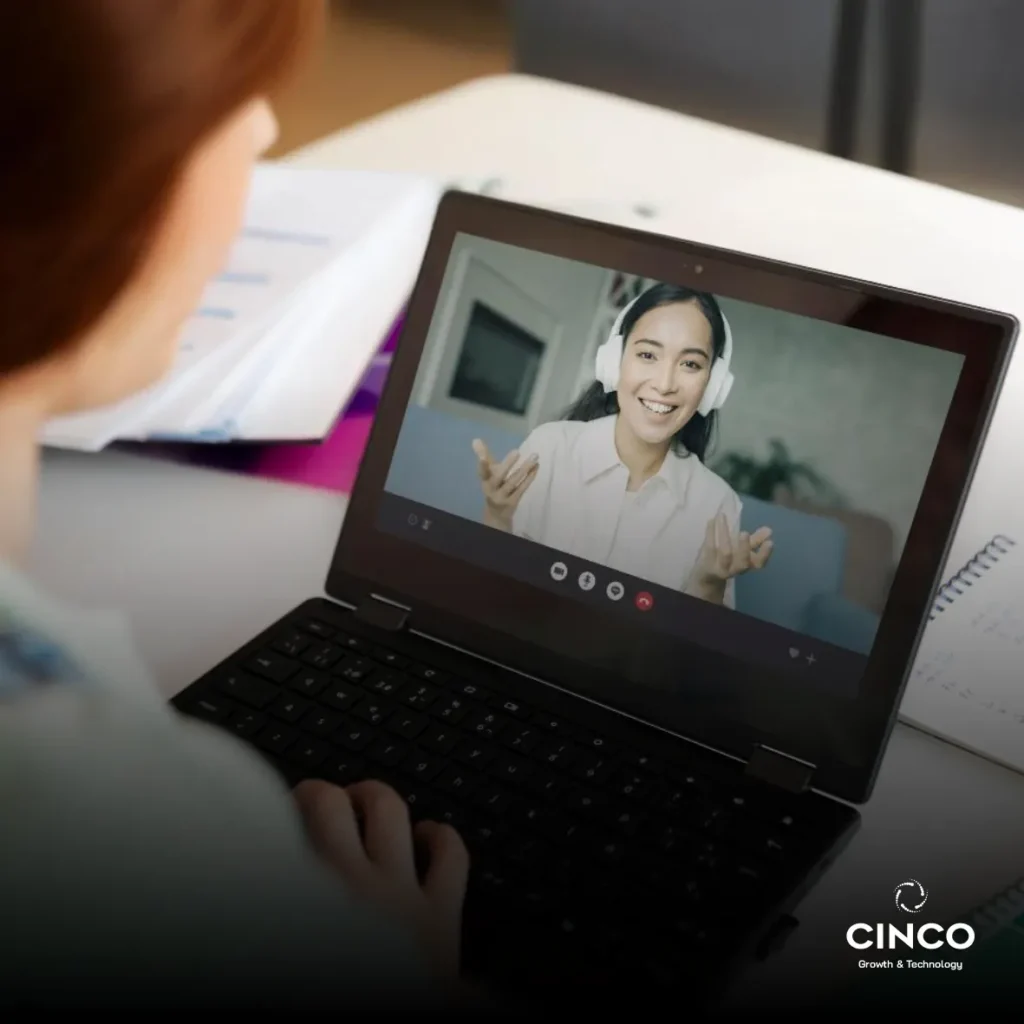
(801, 589)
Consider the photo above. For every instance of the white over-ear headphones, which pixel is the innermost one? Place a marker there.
(608, 362)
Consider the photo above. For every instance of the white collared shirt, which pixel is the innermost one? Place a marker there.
(578, 504)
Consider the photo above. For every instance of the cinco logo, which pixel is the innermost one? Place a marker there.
(911, 896)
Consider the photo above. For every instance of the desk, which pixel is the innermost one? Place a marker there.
(202, 561)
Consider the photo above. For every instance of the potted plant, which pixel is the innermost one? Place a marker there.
(778, 478)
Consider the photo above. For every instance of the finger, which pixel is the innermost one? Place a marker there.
(519, 474)
(330, 822)
(741, 558)
(387, 832)
(447, 865)
(760, 536)
(484, 462)
(723, 541)
(759, 558)
(527, 480)
(502, 470)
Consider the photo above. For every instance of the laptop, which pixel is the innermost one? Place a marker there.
(649, 666)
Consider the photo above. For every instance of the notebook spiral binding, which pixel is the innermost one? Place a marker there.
(999, 911)
(965, 578)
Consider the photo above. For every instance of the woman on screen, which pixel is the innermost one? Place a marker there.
(621, 480)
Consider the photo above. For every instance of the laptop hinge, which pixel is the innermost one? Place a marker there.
(381, 614)
(777, 769)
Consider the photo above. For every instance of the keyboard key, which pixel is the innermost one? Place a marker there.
(374, 710)
(593, 768)
(428, 673)
(557, 753)
(390, 658)
(345, 770)
(289, 708)
(509, 706)
(523, 739)
(318, 628)
(308, 753)
(342, 696)
(473, 752)
(493, 798)
(275, 667)
(355, 736)
(545, 784)
(450, 709)
(407, 724)
(634, 786)
(628, 821)
(354, 669)
(485, 724)
(246, 689)
(291, 644)
(552, 723)
(246, 723)
(353, 644)
(419, 800)
(387, 751)
(646, 763)
(526, 851)
(387, 683)
(276, 739)
(470, 690)
(422, 766)
(449, 815)
(509, 768)
(585, 801)
(457, 781)
(308, 682)
(482, 838)
(609, 851)
(323, 655)
(320, 722)
(419, 696)
(593, 741)
(210, 707)
(440, 739)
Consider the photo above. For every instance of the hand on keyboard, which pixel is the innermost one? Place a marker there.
(416, 874)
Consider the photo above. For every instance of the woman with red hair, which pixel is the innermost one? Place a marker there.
(145, 861)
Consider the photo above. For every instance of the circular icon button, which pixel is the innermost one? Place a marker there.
(615, 590)
(587, 581)
(413, 519)
(559, 571)
(644, 601)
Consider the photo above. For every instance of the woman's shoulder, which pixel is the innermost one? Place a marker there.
(714, 489)
(555, 435)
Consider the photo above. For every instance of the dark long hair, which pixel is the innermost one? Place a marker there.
(695, 437)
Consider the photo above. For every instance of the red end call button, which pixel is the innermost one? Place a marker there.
(644, 601)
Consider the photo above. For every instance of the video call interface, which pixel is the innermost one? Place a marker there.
(736, 475)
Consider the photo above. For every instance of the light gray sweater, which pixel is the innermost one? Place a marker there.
(146, 861)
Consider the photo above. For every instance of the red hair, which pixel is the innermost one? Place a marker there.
(104, 101)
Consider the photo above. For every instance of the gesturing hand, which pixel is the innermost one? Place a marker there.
(503, 483)
(723, 556)
(380, 865)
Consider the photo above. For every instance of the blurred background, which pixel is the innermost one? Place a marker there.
(930, 88)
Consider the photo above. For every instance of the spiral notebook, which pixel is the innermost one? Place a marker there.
(967, 686)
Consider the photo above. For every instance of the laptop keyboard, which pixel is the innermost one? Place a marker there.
(592, 859)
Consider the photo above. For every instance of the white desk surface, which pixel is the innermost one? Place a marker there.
(202, 560)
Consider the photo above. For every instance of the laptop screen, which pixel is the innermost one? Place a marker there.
(731, 474)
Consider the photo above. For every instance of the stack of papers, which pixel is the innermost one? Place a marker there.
(284, 335)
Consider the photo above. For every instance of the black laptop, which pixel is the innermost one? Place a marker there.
(649, 772)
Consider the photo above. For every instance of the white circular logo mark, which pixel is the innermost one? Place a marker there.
(911, 896)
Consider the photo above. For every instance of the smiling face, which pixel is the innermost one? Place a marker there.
(666, 363)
